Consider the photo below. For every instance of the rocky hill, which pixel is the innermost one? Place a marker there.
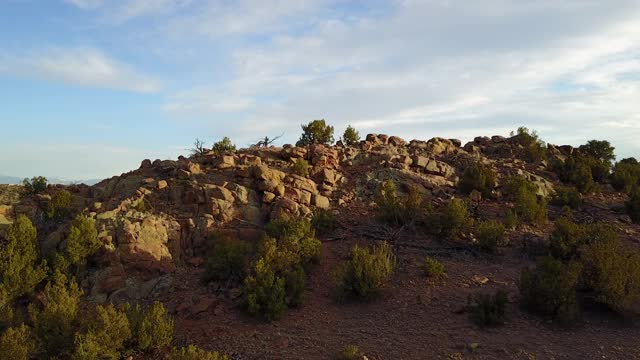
(154, 225)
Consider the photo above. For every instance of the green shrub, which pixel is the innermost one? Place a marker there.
(396, 210)
(323, 221)
(456, 219)
(264, 292)
(6, 310)
(626, 175)
(301, 167)
(54, 324)
(612, 270)
(567, 196)
(316, 132)
(225, 259)
(491, 234)
(82, 240)
(277, 279)
(511, 219)
(433, 268)
(350, 352)
(296, 236)
(16, 343)
(488, 310)
(534, 148)
(59, 206)
(478, 177)
(19, 273)
(602, 154)
(351, 136)
(550, 288)
(633, 205)
(576, 170)
(223, 146)
(193, 352)
(152, 328)
(363, 275)
(567, 237)
(105, 336)
(528, 206)
(37, 185)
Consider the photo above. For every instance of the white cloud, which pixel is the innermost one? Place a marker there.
(427, 67)
(85, 4)
(78, 66)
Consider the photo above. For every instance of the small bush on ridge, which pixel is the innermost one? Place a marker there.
(433, 268)
(491, 234)
(363, 275)
(488, 310)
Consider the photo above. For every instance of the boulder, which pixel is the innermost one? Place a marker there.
(320, 201)
(143, 245)
(226, 162)
(396, 141)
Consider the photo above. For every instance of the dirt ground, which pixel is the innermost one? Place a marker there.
(414, 318)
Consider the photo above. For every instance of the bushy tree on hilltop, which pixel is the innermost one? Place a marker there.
(223, 146)
(316, 132)
(351, 137)
(36, 185)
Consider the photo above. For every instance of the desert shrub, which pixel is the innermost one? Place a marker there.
(223, 146)
(316, 132)
(488, 310)
(54, 325)
(528, 206)
(16, 343)
(612, 270)
(225, 259)
(626, 175)
(105, 335)
(19, 273)
(534, 148)
(576, 170)
(432, 268)
(633, 205)
(36, 185)
(277, 278)
(567, 196)
(296, 237)
(602, 155)
(550, 288)
(351, 136)
(363, 275)
(151, 328)
(323, 221)
(478, 177)
(301, 167)
(82, 240)
(6, 310)
(455, 220)
(397, 210)
(264, 292)
(567, 237)
(59, 206)
(350, 352)
(511, 219)
(491, 234)
(193, 352)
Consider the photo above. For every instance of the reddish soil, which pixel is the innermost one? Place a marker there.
(414, 318)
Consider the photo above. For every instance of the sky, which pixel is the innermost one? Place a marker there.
(89, 88)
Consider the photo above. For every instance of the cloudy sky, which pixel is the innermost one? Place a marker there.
(88, 88)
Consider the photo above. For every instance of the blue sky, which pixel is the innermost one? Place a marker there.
(89, 88)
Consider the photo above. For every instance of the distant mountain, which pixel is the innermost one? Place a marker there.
(17, 180)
